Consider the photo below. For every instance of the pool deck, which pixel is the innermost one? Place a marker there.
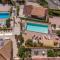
(5, 8)
(55, 20)
(47, 39)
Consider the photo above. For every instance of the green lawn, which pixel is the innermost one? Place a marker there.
(35, 19)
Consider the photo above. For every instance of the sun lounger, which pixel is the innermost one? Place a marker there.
(33, 36)
(36, 38)
(45, 37)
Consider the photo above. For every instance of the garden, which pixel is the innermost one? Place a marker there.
(23, 53)
(53, 53)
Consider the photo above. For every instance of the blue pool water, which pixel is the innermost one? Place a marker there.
(37, 27)
(4, 15)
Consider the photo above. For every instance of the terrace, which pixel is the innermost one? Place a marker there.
(38, 38)
(48, 40)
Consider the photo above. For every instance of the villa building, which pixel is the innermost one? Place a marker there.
(6, 51)
(35, 12)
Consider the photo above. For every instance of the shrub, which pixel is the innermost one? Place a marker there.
(29, 42)
(50, 53)
(8, 23)
(43, 3)
(53, 12)
(21, 52)
(21, 39)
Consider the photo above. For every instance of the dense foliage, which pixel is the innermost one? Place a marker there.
(21, 39)
(24, 52)
(53, 53)
(50, 53)
(53, 12)
(43, 3)
(21, 52)
(8, 23)
(29, 42)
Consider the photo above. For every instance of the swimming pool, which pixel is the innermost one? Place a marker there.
(4, 15)
(37, 27)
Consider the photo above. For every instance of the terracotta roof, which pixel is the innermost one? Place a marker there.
(39, 11)
(27, 9)
(34, 10)
(5, 51)
(2, 57)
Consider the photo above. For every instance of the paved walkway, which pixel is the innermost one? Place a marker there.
(16, 29)
(15, 49)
